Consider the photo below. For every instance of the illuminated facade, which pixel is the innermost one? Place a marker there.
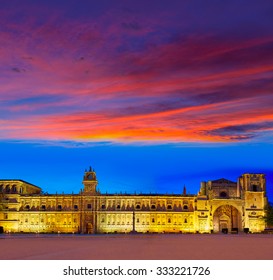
(221, 205)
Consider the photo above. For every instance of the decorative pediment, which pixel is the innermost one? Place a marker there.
(223, 181)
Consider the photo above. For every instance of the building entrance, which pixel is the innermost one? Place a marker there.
(227, 217)
(89, 228)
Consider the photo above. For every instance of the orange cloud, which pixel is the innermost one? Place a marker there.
(120, 79)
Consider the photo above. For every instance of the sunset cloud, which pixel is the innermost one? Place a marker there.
(131, 75)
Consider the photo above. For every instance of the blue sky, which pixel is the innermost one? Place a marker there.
(127, 168)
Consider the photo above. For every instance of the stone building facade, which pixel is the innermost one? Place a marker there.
(220, 206)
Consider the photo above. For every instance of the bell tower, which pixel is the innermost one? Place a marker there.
(90, 182)
(253, 187)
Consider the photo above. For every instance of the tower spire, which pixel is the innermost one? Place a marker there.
(184, 190)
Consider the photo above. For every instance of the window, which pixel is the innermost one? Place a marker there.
(13, 189)
(153, 220)
(153, 206)
(43, 207)
(185, 221)
(118, 206)
(169, 207)
(103, 206)
(185, 207)
(223, 194)
(137, 206)
(89, 206)
(27, 207)
(59, 207)
(169, 220)
(75, 207)
(137, 220)
(5, 216)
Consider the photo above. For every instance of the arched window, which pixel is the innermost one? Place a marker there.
(1, 188)
(185, 207)
(7, 189)
(223, 194)
(13, 189)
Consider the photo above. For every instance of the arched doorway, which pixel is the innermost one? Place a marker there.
(89, 228)
(227, 217)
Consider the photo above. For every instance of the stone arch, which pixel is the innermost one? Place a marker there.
(7, 189)
(14, 188)
(227, 216)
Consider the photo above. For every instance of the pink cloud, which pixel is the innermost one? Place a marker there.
(121, 79)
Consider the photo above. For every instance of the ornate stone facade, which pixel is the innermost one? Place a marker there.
(221, 205)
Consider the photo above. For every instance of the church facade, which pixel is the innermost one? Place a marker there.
(220, 206)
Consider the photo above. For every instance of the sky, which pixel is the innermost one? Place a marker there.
(154, 95)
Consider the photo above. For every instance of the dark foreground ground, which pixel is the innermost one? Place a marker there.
(137, 247)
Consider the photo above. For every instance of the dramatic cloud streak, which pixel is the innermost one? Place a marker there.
(144, 73)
